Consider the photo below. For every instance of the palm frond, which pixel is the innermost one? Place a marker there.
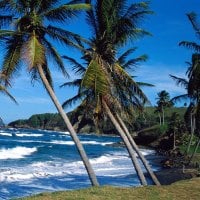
(183, 97)
(180, 81)
(95, 79)
(44, 5)
(33, 52)
(6, 33)
(190, 45)
(65, 12)
(7, 5)
(91, 20)
(132, 88)
(77, 98)
(66, 37)
(12, 58)
(77, 67)
(193, 19)
(5, 20)
(74, 83)
(133, 63)
(123, 57)
(54, 55)
(5, 91)
(143, 84)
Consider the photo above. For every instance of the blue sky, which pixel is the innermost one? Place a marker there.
(168, 25)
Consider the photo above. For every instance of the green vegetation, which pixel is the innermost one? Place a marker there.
(182, 190)
(85, 124)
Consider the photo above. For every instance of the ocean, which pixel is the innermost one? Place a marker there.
(35, 161)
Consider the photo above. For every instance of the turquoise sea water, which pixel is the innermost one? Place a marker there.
(34, 161)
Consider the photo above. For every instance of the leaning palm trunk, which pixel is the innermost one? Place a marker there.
(127, 143)
(174, 140)
(159, 119)
(74, 136)
(163, 116)
(135, 147)
(192, 125)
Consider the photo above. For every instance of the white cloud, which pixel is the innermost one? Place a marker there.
(159, 76)
(34, 100)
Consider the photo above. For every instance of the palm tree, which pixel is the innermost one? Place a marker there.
(191, 108)
(105, 77)
(158, 111)
(27, 41)
(87, 97)
(163, 102)
(194, 71)
(175, 126)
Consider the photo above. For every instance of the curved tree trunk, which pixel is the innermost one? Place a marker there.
(73, 134)
(128, 145)
(192, 125)
(174, 140)
(163, 116)
(159, 118)
(135, 147)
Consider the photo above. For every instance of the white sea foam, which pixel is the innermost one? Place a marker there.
(82, 142)
(51, 131)
(65, 132)
(28, 135)
(146, 152)
(104, 165)
(16, 153)
(114, 164)
(5, 134)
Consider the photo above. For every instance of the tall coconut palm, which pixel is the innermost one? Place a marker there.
(194, 72)
(191, 108)
(113, 24)
(87, 101)
(163, 102)
(26, 41)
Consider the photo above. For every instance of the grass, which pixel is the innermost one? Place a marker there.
(182, 190)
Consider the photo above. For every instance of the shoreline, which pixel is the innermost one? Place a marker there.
(172, 175)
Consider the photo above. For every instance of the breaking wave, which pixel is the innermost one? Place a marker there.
(16, 153)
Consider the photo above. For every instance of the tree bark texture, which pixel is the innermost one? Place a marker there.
(140, 155)
(127, 144)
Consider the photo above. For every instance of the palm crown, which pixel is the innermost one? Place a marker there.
(27, 38)
(105, 74)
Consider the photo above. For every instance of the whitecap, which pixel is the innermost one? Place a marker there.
(6, 134)
(62, 142)
(82, 142)
(16, 153)
(28, 135)
(146, 152)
